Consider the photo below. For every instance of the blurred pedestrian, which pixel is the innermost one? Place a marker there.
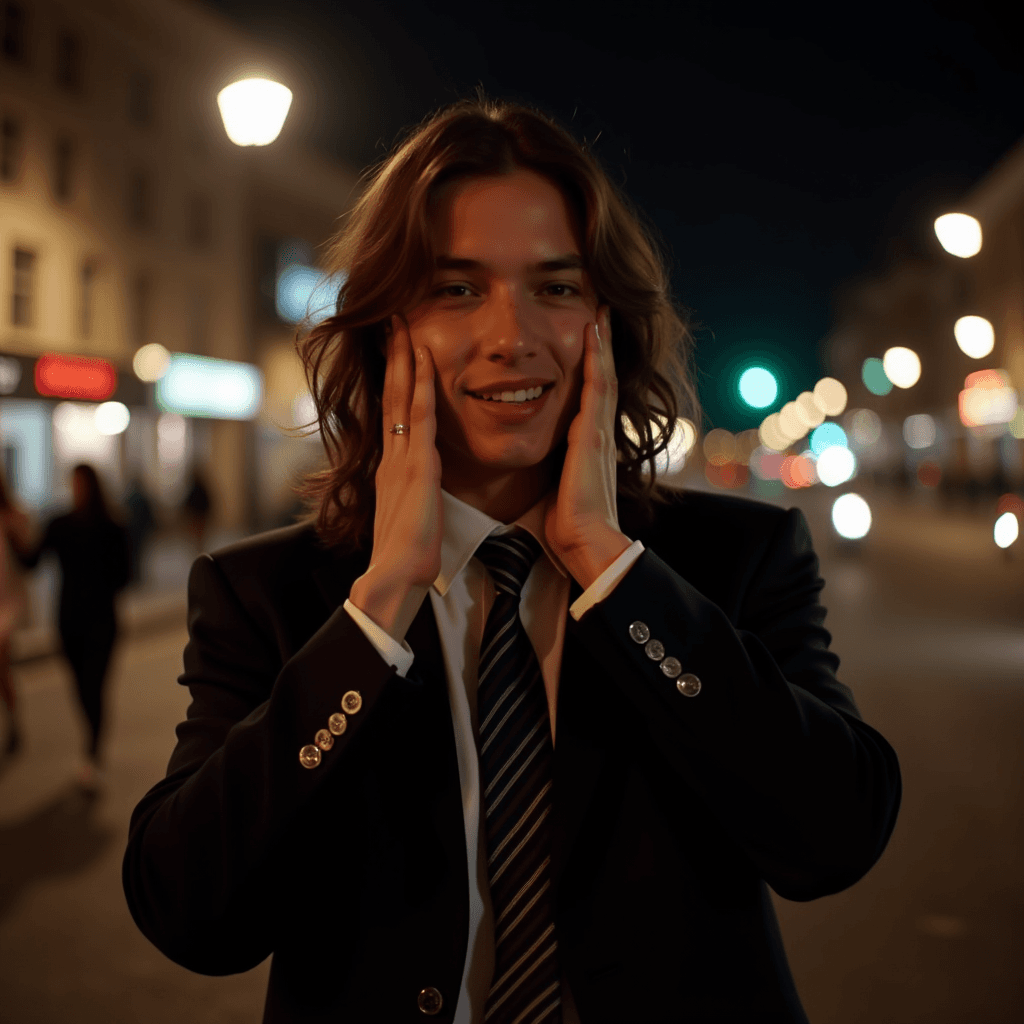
(197, 506)
(140, 524)
(93, 553)
(13, 535)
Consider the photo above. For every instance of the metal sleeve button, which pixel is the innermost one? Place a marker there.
(655, 650)
(337, 723)
(309, 756)
(429, 1001)
(688, 685)
(671, 667)
(639, 632)
(351, 702)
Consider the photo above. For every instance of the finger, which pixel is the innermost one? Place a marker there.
(387, 400)
(423, 418)
(402, 384)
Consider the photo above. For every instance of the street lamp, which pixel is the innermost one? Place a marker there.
(959, 234)
(253, 110)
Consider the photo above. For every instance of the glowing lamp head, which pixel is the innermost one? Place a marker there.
(253, 110)
(959, 234)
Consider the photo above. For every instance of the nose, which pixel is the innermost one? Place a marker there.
(504, 331)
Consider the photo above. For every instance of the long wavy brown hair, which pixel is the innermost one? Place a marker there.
(383, 254)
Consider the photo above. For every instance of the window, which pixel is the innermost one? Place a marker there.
(13, 31)
(200, 220)
(63, 168)
(140, 199)
(87, 297)
(24, 281)
(10, 149)
(141, 300)
(69, 61)
(140, 98)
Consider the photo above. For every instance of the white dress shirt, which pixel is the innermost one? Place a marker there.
(462, 596)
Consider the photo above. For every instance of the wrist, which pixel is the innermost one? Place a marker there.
(587, 562)
(392, 603)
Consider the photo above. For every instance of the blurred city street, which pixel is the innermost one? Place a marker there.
(928, 619)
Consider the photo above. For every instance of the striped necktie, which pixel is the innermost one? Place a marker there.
(516, 757)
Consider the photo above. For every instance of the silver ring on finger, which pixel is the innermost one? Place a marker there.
(399, 428)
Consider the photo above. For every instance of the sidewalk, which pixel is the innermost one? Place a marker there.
(159, 600)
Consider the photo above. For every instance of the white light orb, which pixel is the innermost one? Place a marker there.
(791, 422)
(254, 110)
(812, 413)
(959, 234)
(151, 362)
(919, 430)
(835, 465)
(1004, 533)
(902, 366)
(771, 435)
(851, 516)
(975, 336)
(830, 395)
(112, 418)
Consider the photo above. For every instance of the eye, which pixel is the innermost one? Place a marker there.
(453, 291)
(561, 290)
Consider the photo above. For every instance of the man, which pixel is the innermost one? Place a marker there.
(533, 747)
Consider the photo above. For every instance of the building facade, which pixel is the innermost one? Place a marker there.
(127, 218)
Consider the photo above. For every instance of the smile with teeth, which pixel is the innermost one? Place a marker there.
(514, 396)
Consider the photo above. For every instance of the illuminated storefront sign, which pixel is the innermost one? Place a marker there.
(63, 376)
(210, 388)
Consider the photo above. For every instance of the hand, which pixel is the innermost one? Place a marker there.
(409, 521)
(583, 523)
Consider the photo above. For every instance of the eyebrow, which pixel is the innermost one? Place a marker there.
(571, 261)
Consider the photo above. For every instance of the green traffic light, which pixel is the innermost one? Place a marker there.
(758, 387)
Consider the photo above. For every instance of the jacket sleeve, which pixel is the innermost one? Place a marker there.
(205, 842)
(772, 743)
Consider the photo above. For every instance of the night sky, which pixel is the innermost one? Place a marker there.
(777, 150)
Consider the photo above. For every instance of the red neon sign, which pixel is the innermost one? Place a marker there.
(62, 376)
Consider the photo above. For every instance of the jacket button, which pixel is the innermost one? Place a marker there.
(639, 632)
(429, 1001)
(688, 685)
(671, 667)
(351, 702)
(309, 756)
(655, 650)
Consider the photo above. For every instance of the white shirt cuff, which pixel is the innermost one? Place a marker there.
(607, 581)
(398, 655)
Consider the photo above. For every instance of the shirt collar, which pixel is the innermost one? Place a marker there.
(466, 527)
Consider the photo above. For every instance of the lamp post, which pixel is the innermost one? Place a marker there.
(253, 111)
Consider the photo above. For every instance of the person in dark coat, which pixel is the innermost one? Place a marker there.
(369, 786)
(93, 553)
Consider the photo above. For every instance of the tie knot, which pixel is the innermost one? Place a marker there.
(509, 557)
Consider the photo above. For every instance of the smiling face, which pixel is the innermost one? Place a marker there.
(507, 307)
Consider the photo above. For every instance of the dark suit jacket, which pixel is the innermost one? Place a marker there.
(672, 814)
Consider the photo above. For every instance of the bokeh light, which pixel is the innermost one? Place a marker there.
(1006, 529)
(988, 398)
(836, 464)
(719, 447)
(772, 435)
(902, 366)
(758, 387)
(812, 413)
(851, 516)
(919, 430)
(826, 436)
(865, 427)
(830, 395)
(151, 361)
(253, 110)
(959, 234)
(112, 418)
(975, 336)
(874, 376)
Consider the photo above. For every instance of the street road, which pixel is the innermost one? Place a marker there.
(928, 619)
